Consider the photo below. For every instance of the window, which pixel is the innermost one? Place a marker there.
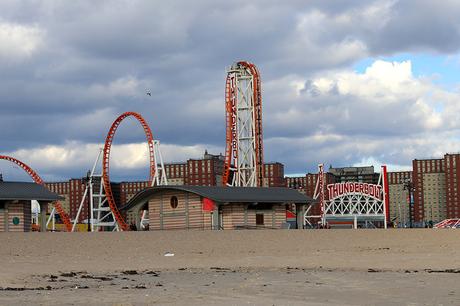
(173, 201)
(259, 219)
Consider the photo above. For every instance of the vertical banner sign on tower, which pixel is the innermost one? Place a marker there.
(321, 192)
(385, 193)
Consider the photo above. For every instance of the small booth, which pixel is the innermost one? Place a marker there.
(15, 205)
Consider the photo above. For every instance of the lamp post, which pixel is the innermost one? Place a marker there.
(409, 186)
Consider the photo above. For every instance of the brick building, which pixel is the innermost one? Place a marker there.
(72, 191)
(274, 175)
(399, 197)
(297, 182)
(126, 190)
(206, 171)
(429, 180)
(436, 194)
(176, 173)
(452, 171)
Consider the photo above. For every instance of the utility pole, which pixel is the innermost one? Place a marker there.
(409, 186)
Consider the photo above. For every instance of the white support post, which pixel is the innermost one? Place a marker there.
(91, 205)
(160, 178)
(51, 217)
(79, 209)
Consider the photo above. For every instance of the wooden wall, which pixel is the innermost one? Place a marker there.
(15, 210)
(187, 215)
(237, 215)
(233, 215)
(22, 210)
(280, 215)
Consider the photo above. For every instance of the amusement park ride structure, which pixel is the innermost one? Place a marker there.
(349, 202)
(244, 144)
(103, 209)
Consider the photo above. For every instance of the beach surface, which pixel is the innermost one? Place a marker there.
(250, 267)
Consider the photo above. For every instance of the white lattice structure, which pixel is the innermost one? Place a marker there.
(244, 152)
(350, 201)
(100, 214)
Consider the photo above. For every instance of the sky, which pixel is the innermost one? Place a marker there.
(344, 83)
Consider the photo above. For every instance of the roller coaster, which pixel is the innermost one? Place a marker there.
(106, 162)
(244, 145)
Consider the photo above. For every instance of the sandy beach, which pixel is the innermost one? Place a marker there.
(259, 267)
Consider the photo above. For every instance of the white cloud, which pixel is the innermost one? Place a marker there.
(18, 41)
(383, 115)
(386, 98)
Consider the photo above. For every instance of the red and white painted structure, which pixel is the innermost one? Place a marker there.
(448, 223)
(348, 202)
(244, 145)
(104, 211)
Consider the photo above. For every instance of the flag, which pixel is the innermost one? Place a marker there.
(208, 204)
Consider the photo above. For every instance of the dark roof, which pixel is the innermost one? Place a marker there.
(229, 194)
(26, 191)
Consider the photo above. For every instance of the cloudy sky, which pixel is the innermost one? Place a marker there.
(344, 83)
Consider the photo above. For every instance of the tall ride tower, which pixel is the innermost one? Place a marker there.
(243, 104)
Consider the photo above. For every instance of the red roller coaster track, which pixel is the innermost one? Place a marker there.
(230, 115)
(106, 159)
(37, 179)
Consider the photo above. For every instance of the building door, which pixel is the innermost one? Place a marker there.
(259, 219)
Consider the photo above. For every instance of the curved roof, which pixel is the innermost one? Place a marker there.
(26, 191)
(228, 194)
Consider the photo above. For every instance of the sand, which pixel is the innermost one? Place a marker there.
(255, 267)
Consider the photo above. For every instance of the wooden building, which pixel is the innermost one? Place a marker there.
(214, 207)
(15, 205)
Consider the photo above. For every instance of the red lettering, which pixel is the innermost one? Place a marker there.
(330, 190)
(379, 192)
(341, 185)
(346, 188)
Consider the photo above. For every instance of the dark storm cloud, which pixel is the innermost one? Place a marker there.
(420, 25)
(97, 59)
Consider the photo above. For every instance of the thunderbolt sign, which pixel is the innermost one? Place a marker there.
(339, 189)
